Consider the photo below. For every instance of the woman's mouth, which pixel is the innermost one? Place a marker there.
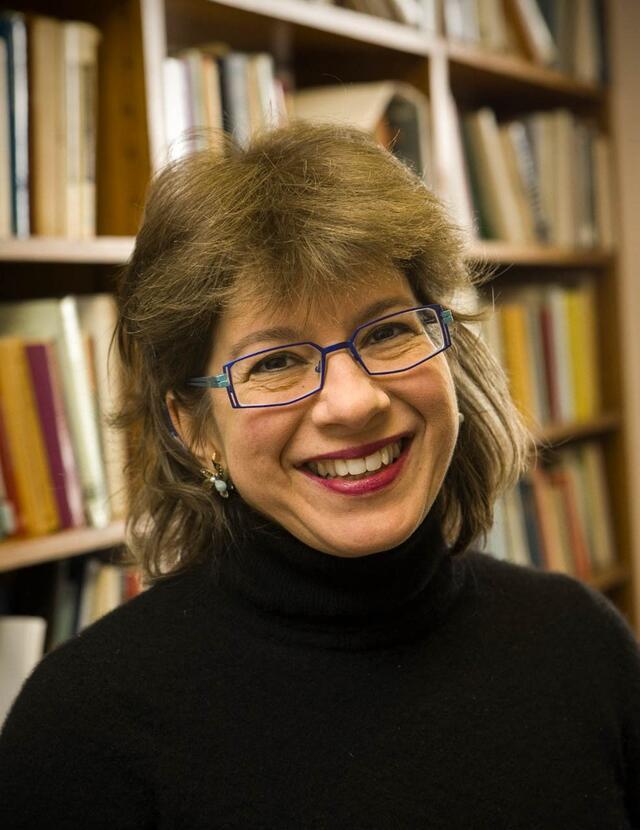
(356, 468)
(359, 476)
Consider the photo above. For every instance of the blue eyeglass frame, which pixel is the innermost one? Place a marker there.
(225, 380)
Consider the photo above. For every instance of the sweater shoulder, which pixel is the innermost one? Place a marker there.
(142, 637)
(555, 606)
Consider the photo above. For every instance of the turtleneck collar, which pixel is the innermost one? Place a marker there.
(348, 602)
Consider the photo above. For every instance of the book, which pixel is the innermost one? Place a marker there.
(25, 440)
(517, 355)
(6, 221)
(80, 49)
(497, 202)
(58, 320)
(47, 126)
(97, 315)
(12, 519)
(534, 31)
(364, 105)
(21, 648)
(53, 420)
(13, 33)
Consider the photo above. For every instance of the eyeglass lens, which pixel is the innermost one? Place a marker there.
(285, 373)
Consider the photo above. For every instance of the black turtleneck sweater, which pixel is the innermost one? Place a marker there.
(292, 690)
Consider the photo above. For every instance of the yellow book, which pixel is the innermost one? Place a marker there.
(583, 340)
(517, 358)
(26, 442)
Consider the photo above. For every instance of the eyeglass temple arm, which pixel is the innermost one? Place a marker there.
(214, 382)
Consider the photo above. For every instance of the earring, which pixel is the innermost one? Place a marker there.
(461, 417)
(223, 486)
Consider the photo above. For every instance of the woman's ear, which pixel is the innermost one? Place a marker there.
(173, 418)
(179, 426)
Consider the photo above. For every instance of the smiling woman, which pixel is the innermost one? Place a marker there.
(318, 437)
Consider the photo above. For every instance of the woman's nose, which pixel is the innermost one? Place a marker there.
(349, 396)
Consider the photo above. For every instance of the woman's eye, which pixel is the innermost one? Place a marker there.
(275, 363)
(385, 332)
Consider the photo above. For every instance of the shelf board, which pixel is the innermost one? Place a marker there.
(101, 250)
(613, 577)
(472, 63)
(557, 434)
(19, 553)
(249, 21)
(497, 252)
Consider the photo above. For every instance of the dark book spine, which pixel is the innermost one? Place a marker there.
(45, 402)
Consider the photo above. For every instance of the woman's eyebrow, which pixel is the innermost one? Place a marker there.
(286, 333)
(292, 335)
(378, 308)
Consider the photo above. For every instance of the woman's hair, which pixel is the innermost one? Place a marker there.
(305, 211)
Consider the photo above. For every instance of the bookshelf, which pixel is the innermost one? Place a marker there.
(317, 44)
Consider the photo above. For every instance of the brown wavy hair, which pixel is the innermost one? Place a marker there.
(302, 211)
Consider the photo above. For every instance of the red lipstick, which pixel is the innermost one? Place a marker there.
(361, 451)
(372, 483)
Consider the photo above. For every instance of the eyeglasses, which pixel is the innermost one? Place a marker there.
(286, 374)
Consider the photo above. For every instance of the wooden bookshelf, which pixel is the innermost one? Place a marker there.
(103, 250)
(481, 72)
(19, 553)
(310, 25)
(556, 435)
(537, 256)
(321, 43)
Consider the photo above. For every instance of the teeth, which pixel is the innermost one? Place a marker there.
(373, 462)
(356, 466)
(330, 468)
(341, 467)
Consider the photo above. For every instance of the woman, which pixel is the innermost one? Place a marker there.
(316, 446)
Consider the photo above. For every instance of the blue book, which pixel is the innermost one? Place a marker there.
(13, 32)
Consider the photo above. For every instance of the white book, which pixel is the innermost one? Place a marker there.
(176, 107)
(98, 317)
(58, 320)
(21, 648)
(363, 105)
(496, 193)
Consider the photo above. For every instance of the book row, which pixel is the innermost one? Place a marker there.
(544, 178)
(546, 338)
(210, 88)
(61, 464)
(558, 517)
(48, 126)
(567, 35)
(69, 596)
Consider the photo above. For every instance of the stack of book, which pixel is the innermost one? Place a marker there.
(61, 464)
(210, 88)
(546, 338)
(566, 35)
(213, 88)
(48, 126)
(543, 179)
(558, 518)
(84, 590)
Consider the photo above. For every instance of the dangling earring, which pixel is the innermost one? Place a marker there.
(460, 417)
(223, 486)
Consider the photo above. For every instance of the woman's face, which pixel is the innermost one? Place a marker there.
(267, 452)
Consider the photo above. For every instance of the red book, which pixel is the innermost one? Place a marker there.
(64, 474)
(579, 547)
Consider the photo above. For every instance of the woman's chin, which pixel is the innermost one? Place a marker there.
(355, 538)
